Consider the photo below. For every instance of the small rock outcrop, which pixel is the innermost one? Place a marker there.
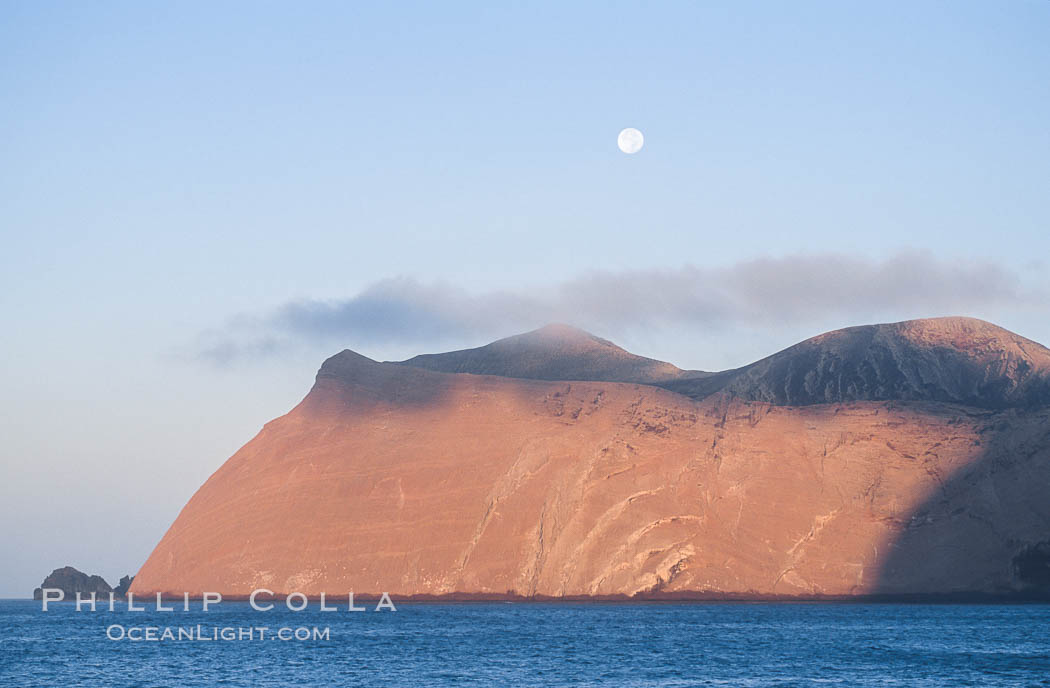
(71, 581)
(122, 587)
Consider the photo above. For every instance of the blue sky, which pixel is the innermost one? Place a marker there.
(175, 179)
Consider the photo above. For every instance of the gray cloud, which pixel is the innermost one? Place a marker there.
(764, 292)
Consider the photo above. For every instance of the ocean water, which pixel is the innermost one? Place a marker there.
(495, 644)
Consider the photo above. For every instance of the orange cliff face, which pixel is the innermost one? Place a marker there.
(395, 478)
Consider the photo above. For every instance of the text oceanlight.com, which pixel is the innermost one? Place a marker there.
(209, 633)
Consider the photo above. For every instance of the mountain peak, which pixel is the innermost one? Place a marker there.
(955, 360)
(559, 336)
(553, 352)
(558, 329)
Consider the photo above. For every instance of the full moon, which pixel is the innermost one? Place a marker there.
(630, 140)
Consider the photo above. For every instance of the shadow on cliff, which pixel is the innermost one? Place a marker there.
(984, 531)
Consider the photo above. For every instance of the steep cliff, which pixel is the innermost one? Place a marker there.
(396, 478)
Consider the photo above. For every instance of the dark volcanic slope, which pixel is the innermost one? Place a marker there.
(554, 352)
(957, 360)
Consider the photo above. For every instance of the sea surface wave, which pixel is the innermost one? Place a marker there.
(535, 644)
